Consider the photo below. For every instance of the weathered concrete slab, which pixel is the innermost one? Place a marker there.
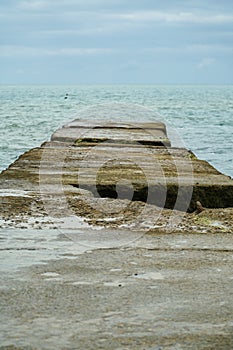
(89, 131)
(101, 124)
(126, 169)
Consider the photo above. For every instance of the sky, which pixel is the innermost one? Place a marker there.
(116, 41)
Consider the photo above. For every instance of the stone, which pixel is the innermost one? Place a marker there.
(93, 132)
(119, 161)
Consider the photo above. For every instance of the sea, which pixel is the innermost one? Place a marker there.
(199, 118)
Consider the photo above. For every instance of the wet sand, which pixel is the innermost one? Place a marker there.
(153, 292)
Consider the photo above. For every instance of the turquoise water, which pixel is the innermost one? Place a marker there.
(201, 115)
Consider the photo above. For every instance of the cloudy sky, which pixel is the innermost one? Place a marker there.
(116, 42)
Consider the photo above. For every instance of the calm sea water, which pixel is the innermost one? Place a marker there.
(201, 115)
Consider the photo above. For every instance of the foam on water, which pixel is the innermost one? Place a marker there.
(14, 193)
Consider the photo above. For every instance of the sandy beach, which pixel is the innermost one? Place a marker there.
(161, 291)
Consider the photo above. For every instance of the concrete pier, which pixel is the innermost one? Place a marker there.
(98, 251)
(124, 161)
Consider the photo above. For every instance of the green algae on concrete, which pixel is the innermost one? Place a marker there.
(134, 168)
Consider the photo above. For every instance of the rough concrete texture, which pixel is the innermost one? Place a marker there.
(119, 161)
(100, 131)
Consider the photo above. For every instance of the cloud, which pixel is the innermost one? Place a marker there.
(33, 5)
(175, 17)
(13, 51)
(30, 51)
(119, 34)
(190, 49)
(85, 30)
(73, 9)
(206, 62)
(205, 48)
(132, 65)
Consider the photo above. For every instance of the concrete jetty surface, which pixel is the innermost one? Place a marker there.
(103, 244)
(124, 161)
